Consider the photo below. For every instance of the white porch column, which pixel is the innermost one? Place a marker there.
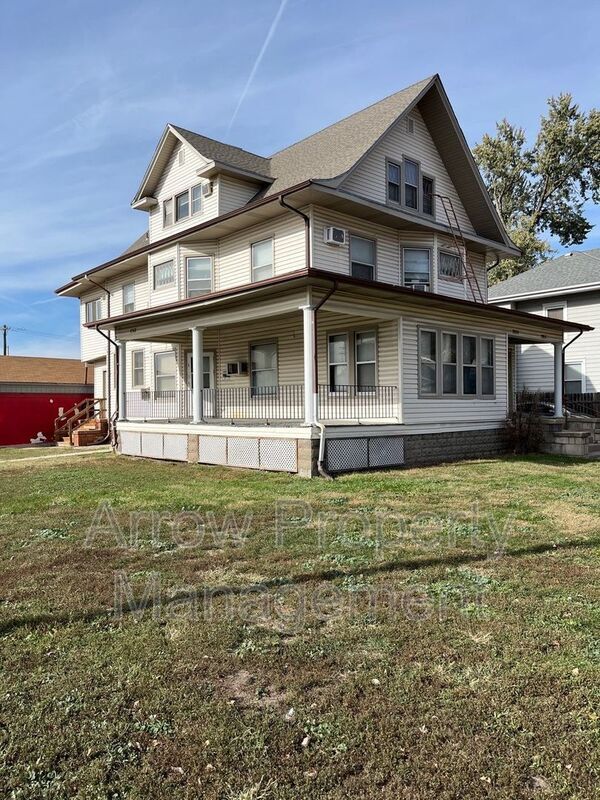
(122, 361)
(558, 379)
(197, 359)
(311, 388)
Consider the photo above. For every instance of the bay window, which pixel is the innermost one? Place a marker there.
(458, 365)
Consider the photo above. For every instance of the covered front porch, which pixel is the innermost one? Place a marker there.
(287, 361)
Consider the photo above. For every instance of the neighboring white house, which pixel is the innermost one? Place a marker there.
(328, 302)
(566, 288)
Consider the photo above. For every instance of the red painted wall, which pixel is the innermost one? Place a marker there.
(22, 415)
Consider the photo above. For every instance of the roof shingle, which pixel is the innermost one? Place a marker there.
(29, 369)
(572, 269)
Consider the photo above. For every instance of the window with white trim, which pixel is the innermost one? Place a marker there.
(263, 368)
(164, 274)
(460, 365)
(574, 377)
(428, 190)
(362, 257)
(137, 369)
(339, 367)
(262, 260)
(199, 275)
(417, 266)
(449, 266)
(128, 297)
(165, 371)
(93, 310)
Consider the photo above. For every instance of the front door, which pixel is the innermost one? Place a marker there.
(208, 380)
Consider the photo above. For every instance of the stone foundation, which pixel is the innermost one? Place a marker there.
(435, 448)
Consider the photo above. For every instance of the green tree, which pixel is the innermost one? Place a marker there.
(541, 190)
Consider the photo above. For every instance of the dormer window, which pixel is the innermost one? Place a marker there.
(183, 205)
(196, 199)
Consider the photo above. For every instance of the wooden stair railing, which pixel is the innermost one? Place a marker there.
(84, 411)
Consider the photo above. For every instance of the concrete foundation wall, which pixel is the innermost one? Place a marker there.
(432, 448)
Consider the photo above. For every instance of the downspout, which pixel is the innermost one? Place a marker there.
(568, 344)
(108, 359)
(321, 457)
(114, 344)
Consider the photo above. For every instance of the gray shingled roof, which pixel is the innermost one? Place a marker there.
(225, 153)
(324, 155)
(140, 242)
(332, 151)
(572, 269)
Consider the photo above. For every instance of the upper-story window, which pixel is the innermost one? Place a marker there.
(362, 258)
(199, 275)
(164, 274)
(407, 186)
(449, 266)
(183, 205)
(93, 310)
(417, 266)
(411, 184)
(556, 311)
(128, 298)
(262, 260)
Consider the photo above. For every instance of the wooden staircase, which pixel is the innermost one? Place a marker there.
(83, 425)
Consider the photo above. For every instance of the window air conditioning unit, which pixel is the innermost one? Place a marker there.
(237, 368)
(207, 189)
(335, 236)
(419, 287)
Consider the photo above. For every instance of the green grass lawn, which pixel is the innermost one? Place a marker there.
(428, 633)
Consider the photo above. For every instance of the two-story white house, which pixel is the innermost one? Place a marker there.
(321, 308)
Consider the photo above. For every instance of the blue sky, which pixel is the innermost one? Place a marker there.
(88, 87)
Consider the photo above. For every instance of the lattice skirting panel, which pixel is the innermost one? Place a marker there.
(365, 452)
(170, 446)
(278, 455)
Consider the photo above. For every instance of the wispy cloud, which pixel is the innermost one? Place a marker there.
(257, 62)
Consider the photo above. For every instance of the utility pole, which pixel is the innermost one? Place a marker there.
(5, 330)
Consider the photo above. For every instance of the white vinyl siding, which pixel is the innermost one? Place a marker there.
(369, 179)
(234, 193)
(178, 178)
(535, 368)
